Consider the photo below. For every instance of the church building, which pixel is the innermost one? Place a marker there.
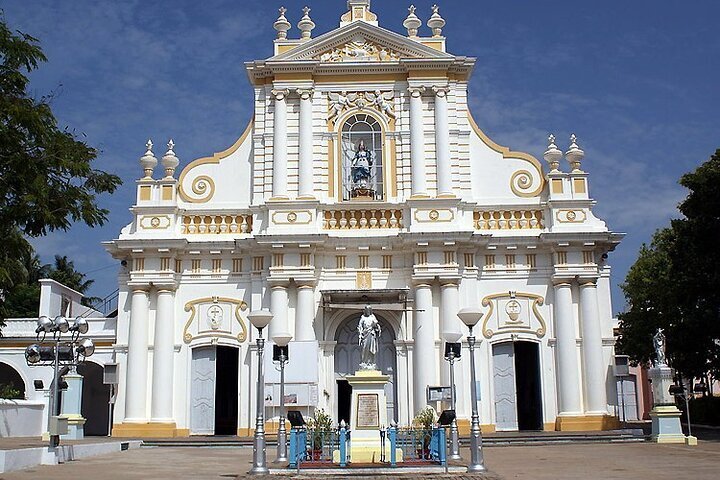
(363, 179)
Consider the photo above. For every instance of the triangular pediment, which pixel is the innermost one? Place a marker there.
(361, 42)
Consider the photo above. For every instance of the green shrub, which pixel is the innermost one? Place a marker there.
(9, 392)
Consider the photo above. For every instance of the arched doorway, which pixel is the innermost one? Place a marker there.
(214, 390)
(12, 385)
(517, 387)
(347, 361)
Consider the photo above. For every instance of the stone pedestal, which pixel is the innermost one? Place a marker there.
(368, 414)
(665, 415)
(71, 406)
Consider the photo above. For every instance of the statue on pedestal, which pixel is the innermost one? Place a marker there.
(659, 344)
(360, 168)
(368, 336)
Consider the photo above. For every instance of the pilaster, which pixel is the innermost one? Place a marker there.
(280, 162)
(417, 144)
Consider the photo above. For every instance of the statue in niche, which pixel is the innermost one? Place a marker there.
(360, 167)
(368, 337)
(659, 344)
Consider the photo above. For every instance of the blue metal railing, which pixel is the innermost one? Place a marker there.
(318, 446)
(417, 445)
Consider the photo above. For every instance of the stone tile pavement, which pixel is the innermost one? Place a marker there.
(567, 461)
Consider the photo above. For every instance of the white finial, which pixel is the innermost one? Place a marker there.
(552, 154)
(412, 22)
(342, 424)
(306, 24)
(436, 22)
(148, 160)
(282, 25)
(170, 161)
(574, 154)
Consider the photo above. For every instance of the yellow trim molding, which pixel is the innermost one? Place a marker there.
(199, 187)
(148, 430)
(521, 180)
(537, 302)
(583, 423)
(191, 307)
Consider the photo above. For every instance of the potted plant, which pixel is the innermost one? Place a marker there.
(423, 424)
(320, 426)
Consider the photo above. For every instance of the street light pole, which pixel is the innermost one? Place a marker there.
(260, 319)
(281, 342)
(454, 441)
(72, 351)
(55, 439)
(451, 345)
(470, 317)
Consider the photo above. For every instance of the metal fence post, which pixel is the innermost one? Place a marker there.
(392, 434)
(343, 446)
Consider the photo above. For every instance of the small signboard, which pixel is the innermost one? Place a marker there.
(438, 394)
(368, 411)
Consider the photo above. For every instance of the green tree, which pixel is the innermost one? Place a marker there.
(675, 283)
(47, 181)
(23, 299)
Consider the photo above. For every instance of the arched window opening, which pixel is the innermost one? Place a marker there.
(12, 385)
(362, 169)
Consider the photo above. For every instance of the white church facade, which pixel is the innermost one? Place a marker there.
(362, 178)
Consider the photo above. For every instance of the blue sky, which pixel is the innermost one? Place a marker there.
(637, 81)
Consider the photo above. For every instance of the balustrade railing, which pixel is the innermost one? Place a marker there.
(216, 224)
(362, 219)
(508, 219)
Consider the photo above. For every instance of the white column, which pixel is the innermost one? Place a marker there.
(305, 313)
(161, 405)
(137, 359)
(279, 309)
(417, 144)
(566, 351)
(449, 323)
(442, 143)
(424, 367)
(306, 188)
(595, 369)
(280, 170)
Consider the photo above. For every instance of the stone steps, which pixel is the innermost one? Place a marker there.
(495, 439)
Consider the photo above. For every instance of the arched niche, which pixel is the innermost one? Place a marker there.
(11, 381)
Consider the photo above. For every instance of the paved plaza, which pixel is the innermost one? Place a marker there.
(566, 461)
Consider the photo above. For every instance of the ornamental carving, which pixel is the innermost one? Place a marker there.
(377, 100)
(359, 50)
(513, 312)
(214, 317)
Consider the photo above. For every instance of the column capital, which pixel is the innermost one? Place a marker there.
(303, 284)
(140, 288)
(305, 93)
(449, 282)
(440, 91)
(166, 289)
(277, 284)
(416, 91)
(280, 94)
(588, 282)
(562, 282)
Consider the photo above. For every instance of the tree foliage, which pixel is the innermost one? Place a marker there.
(23, 299)
(47, 181)
(675, 282)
